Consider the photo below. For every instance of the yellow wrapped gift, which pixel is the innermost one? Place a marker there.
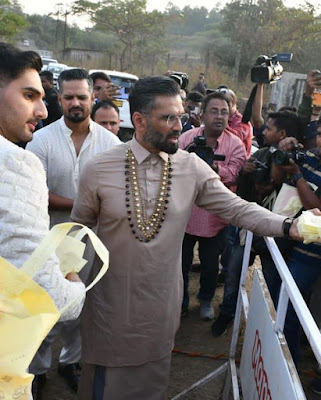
(309, 227)
(27, 312)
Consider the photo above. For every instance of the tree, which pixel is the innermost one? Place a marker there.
(129, 22)
(11, 22)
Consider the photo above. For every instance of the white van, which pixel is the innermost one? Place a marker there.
(126, 82)
(56, 69)
(46, 61)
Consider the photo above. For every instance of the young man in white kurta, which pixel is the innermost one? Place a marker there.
(64, 147)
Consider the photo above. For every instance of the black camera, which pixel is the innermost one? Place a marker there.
(261, 174)
(205, 152)
(281, 157)
(181, 78)
(268, 69)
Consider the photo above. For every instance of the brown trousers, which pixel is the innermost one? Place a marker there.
(143, 382)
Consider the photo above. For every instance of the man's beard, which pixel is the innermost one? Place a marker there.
(76, 117)
(159, 142)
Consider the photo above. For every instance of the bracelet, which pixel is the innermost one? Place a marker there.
(287, 223)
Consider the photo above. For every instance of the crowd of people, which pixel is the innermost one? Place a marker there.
(150, 200)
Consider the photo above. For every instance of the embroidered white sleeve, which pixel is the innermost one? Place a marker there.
(24, 221)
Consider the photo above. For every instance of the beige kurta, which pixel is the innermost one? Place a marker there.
(131, 316)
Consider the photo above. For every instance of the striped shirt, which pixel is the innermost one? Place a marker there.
(311, 171)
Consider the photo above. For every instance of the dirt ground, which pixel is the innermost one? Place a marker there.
(193, 337)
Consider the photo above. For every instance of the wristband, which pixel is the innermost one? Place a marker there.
(287, 226)
(294, 178)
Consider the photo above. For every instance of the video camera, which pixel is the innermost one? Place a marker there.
(268, 69)
(205, 152)
(181, 78)
(281, 157)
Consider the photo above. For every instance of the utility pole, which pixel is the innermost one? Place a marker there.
(65, 31)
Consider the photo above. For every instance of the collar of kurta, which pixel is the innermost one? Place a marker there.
(5, 143)
(68, 131)
(141, 154)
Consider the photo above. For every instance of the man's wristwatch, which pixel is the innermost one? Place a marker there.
(287, 226)
(294, 178)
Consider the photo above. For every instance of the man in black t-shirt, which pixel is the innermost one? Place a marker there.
(51, 98)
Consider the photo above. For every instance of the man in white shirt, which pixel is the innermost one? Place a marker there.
(64, 147)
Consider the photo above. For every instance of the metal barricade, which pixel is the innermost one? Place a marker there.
(288, 291)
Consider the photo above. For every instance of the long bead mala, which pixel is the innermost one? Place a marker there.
(148, 227)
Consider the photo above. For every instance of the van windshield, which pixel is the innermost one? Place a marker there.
(46, 61)
(56, 68)
(126, 83)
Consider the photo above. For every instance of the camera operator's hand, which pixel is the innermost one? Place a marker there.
(315, 114)
(249, 166)
(108, 92)
(195, 120)
(291, 169)
(279, 173)
(288, 143)
(313, 81)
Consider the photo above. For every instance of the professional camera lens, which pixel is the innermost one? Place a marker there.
(281, 157)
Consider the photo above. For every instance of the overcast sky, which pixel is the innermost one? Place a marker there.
(45, 7)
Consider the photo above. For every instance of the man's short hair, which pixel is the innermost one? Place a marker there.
(215, 95)
(103, 104)
(143, 95)
(48, 75)
(229, 92)
(73, 74)
(14, 62)
(288, 121)
(288, 108)
(100, 75)
(195, 96)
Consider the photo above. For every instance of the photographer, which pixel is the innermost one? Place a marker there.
(257, 184)
(193, 108)
(203, 227)
(304, 261)
(242, 130)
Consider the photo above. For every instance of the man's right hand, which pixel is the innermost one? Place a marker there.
(108, 92)
(288, 143)
(313, 81)
(249, 166)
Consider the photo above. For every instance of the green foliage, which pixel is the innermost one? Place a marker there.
(187, 39)
(11, 23)
(128, 21)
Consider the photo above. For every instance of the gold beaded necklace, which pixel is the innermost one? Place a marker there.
(148, 227)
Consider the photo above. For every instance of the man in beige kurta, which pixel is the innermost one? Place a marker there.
(131, 316)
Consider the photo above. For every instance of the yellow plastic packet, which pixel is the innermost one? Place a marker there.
(27, 312)
(309, 227)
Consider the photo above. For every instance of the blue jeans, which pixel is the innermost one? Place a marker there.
(209, 250)
(231, 240)
(305, 275)
(270, 272)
